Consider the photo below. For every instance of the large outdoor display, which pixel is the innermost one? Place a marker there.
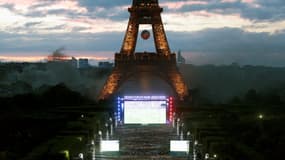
(179, 146)
(144, 109)
(109, 146)
(144, 112)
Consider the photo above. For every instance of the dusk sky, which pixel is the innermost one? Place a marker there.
(207, 31)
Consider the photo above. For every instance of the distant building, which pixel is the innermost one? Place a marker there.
(83, 63)
(180, 58)
(73, 62)
(105, 65)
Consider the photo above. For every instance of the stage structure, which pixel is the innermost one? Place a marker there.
(128, 63)
(144, 110)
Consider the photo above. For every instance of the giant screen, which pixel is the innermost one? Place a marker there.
(145, 110)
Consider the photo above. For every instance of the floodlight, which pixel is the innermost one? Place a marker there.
(109, 146)
(179, 146)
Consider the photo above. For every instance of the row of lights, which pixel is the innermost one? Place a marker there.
(171, 111)
(207, 156)
(119, 109)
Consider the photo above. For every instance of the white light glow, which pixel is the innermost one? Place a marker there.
(145, 112)
(179, 146)
(110, 146)
(144, 98)
(260, 116)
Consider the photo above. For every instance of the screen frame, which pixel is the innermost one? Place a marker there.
(169, 101)
(141, 112)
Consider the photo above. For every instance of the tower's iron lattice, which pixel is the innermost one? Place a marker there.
(128, 63)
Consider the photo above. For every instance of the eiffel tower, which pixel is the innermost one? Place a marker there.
(128, 63)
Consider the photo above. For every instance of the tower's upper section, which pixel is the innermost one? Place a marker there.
(145, 3)
(145, 12)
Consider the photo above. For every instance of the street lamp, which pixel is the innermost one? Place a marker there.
(80, 156)
(260, 116)
(207, 156)
(177, 126)
(111, 126)
(107, 131)
(188, 134)
(181, 135)
(173, 120)
(100, 135)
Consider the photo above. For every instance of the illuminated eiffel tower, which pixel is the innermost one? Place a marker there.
(128, 63)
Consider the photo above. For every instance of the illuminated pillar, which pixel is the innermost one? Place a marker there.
(181, 134)
(111, 127)
(100, 135)
(107, 131)
(171, 110)
(119, 110)
(177, 126)
(173, 121)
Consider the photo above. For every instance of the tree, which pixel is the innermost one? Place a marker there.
(252, 97)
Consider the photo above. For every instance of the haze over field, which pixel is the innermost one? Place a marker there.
(207, 31)
(212, 83)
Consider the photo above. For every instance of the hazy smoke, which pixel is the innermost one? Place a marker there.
(60, 68)
(213, 83)
(58, 55)
(59, 52)
(37, 76)
(221, 83)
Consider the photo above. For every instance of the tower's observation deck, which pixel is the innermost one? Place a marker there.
(145, 58)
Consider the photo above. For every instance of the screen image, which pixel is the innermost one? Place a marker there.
(145, 112)
(109, 146)
(179, 146)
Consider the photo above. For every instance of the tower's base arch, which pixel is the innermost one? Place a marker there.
(142, 65)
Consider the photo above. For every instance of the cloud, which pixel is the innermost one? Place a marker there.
(91, 4)
(49, 42)
(211, 27)
(175, 5)
(228, 40)
(227, 45)
(31, 24)
(45, 17)
(256, 10)
(109, 16)
(217, 46)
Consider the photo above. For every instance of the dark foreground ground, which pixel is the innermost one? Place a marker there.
(44, 126)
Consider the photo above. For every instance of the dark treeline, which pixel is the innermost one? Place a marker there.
(250, 97)
(21, 78)
(220, 84)
(58, 95)
(30, 119)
